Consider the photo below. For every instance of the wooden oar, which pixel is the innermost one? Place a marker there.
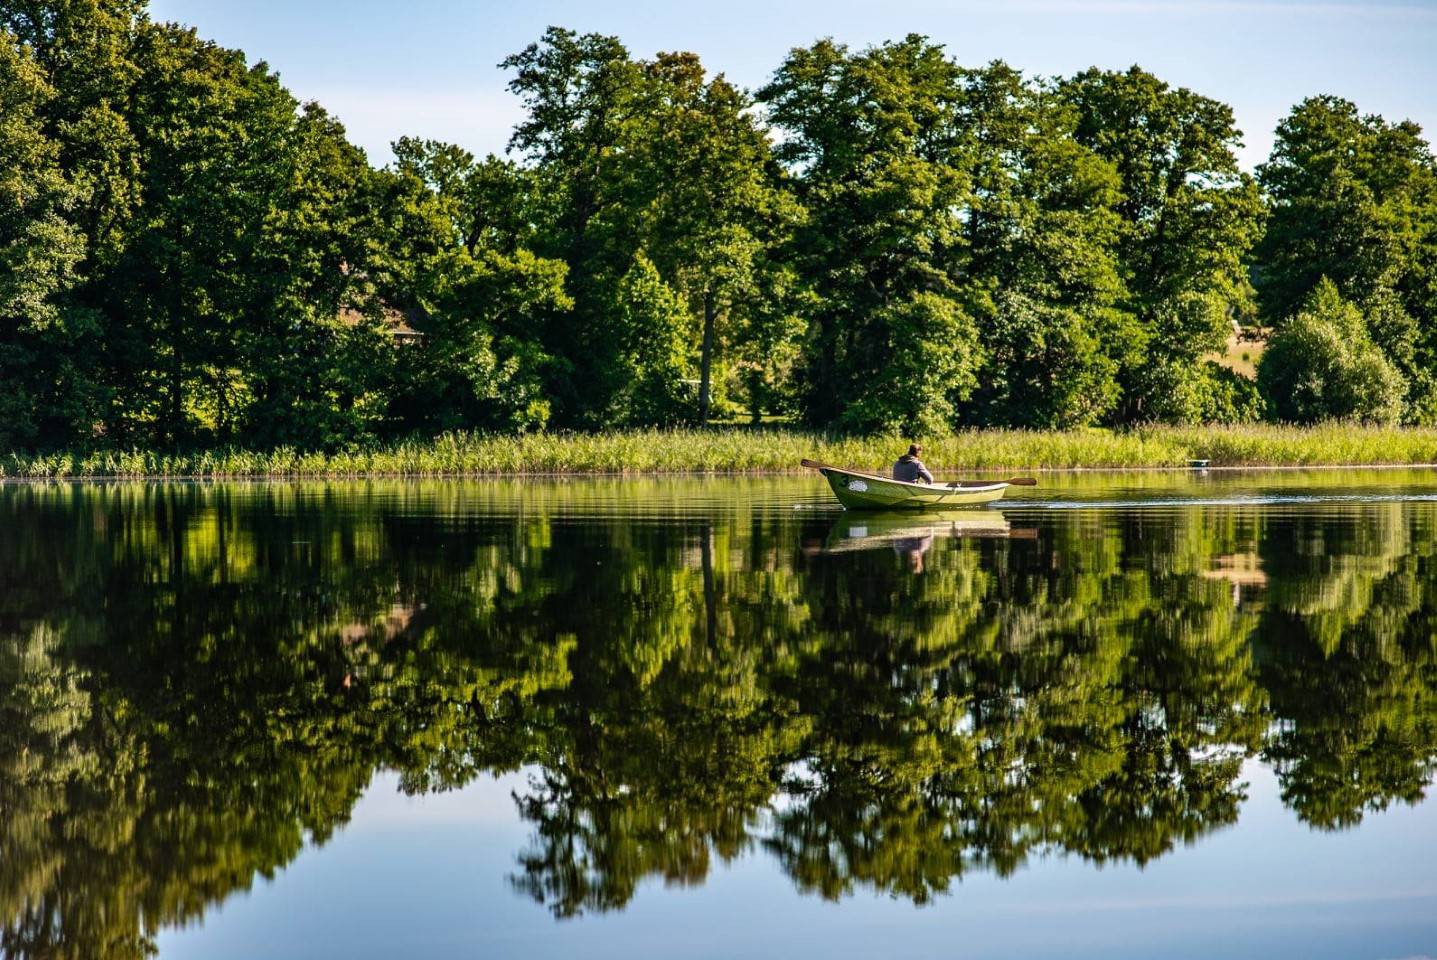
(1012, 482)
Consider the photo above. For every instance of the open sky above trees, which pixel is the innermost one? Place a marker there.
(429, 72)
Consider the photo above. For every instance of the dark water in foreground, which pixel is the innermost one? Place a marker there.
(1131, 715)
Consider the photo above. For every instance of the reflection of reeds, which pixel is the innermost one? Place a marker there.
(744, 450)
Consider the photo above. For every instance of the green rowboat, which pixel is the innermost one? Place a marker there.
(857, 490)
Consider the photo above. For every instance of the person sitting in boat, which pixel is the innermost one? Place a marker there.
(910, 469)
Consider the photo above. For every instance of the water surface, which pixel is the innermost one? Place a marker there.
(1145, 714)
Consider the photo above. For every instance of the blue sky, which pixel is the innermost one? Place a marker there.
(428, 67)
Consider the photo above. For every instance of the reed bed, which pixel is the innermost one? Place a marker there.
(760, 451)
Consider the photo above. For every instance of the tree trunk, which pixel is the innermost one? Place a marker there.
(710, 593)
(177, 380)
(706, 358)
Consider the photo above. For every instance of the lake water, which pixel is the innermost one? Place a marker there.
(1125, 715)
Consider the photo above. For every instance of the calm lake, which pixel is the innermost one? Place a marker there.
(1124, 715)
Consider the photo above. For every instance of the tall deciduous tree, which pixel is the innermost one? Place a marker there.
(455, 262)
(87, 51)
(211, 136)
(84, 53)
(312, 351)
(873, 142)
(1190, 217)
(1044, 270)
(1354, 200)
(579, 92)
(46, 339)
(705, 196)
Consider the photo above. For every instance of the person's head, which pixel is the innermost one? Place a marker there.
(914, 449)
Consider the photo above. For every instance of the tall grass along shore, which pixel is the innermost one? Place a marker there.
(761, 451)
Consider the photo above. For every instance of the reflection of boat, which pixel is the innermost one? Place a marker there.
(865, 491)
(910, 536)
(905, 531)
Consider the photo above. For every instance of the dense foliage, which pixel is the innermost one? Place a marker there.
(877, 239)
(1323, 364)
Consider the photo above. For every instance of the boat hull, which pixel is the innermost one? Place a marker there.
(861, 491)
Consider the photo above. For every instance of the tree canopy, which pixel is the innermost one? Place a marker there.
(875, 239)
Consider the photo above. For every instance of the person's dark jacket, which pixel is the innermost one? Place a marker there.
(911, 470)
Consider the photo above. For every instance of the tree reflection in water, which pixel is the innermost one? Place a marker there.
(195, 682)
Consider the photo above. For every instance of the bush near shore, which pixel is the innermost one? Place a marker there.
(763, 450)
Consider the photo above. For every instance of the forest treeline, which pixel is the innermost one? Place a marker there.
(875, 239)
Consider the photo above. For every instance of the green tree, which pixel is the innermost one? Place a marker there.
(929, 339)
(50, 390)
(314, 357)
(1046, 367)
(455, 263)
(487, 202)
(221, 233)
(1042, 234)
(580, 92)
(704, 195)
(86, 50)
(873, 143)
(658, 350)
(1354, 200)
(1323, 364)
(1190, 217)
(212, 135)
(476, 367)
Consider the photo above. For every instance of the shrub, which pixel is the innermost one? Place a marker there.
(1323, 365)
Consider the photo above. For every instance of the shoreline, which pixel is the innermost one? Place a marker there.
(766, 452)
(679, 474)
